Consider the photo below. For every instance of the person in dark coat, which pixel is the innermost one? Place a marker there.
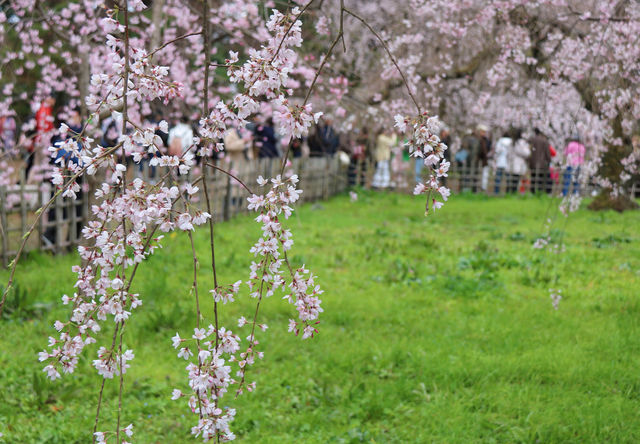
(539, 162)
(484, 148)
(325, 140)
(265, 139)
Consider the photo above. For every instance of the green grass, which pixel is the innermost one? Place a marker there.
(435, 329)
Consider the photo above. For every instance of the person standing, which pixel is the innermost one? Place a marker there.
(517, 161)
(467, 158)
(328, 140)
(27, 144)
(382, 156)
(265, 140)
(574, 158)
(484, 147)
(539, 162)
(235, 146)
(503, 147)
(44, 119)
(361, 152)
(7, 133)
(180, 137)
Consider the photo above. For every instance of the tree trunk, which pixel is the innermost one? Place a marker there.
(611, 168)
(156, 19)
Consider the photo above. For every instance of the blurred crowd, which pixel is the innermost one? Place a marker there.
(520, 160)
(513, 159)
(27, 144)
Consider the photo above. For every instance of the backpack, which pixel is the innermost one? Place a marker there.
(461, 156)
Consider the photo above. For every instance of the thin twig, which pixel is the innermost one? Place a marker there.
(205, 186)
(95, 425)
(230, 175)
(341, 32)
(313, 83)
(164, 45)
(393, 59)
(27, 235)
(319, 70)
(293, 22)
(255, 320)
(121, 387)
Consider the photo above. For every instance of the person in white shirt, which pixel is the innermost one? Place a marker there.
(180, 137)
(503, 147)
(517, 161)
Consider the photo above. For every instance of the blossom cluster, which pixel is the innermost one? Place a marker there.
(144, 80)
(209, 379)
(266, 275)
(556, 297)
(266, 73)
(217, 349)
(113, 247)
(425, 144)
(103, 437)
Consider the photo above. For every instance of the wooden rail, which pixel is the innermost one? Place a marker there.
(60, 229)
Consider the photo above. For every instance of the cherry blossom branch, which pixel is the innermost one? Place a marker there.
(95, 424)
(125, 118)
(137, 206)
(319, 70)
(205, 111)
(198, 313)
(39, 214)
(293, 22)
(115, 333)
(313, 83)
(125, 84)
(255, 320)
(339, 37)
(121, 386)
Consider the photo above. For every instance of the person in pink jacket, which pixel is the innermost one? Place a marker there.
(574, 158)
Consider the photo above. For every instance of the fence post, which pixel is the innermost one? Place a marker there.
(59, 223)
(23, 205)
(73, 228)
(326, 178)
(3, 222)
(40, 218)
(301, 177)
(333, 175)
(227, 198)
(341, 180)
(338, 177)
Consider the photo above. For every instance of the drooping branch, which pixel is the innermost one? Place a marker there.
(389, 53)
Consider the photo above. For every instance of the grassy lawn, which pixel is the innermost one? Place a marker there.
(436, 329)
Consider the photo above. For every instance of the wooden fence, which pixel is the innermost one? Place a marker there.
(61, 227)
(478, 180)
(496, 183)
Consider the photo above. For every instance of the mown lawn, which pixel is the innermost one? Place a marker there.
(435, 329)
